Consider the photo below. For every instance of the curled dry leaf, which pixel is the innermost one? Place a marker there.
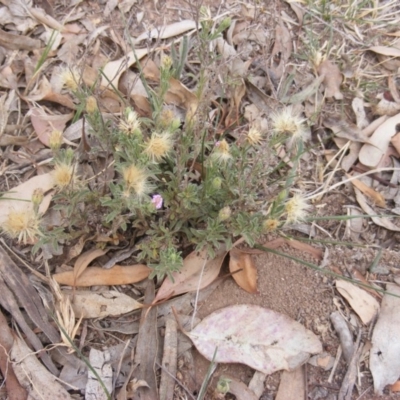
(247, 277)
(84, 260)
(384, 357)
(94, 276)
(197, 272)
(360, 301)
(87, 304)
(372, 153)
(388, 56)
(332, 79)
(260, 338)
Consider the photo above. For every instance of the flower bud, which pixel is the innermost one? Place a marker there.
(55, 140)
(216, 183)
(225, 213)
(37, 197)
(91, 105)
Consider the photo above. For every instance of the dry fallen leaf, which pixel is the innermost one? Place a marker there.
(372, 153)
(247, 278)
(332, 79)
(260, 338)
(89, 304)
(45, 124)
(94, 276)
(19, 198)
(281, 51)
(33, 376)
(360, 301)
(197, 273)
(385, 222)
(165, 32)
(376, 197)
(100, 361)
(384, 357)
(84, 260)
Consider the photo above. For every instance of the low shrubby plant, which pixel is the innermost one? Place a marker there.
(172, 184)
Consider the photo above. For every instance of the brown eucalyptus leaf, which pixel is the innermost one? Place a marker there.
(332, 79)
(258, 337)
(96, 276)
(84, 260)
(247, 278)
(197, 272)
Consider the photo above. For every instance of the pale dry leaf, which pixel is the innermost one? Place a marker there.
(332, 79)
(238, 389)
(168, 31)
(376, 197)
(113, 70)
(96, 276)
(84, 260)
(392, 85)
(304, 94)
(385, 222)
(343, 129)
(44, 123)
(197, 272)
(281, 51)
(395, 141)
(19, 198)
(263, 339)
(89, 304)
(33, 376)
(365, 306)
(386, 51)
(385, 106)
(361, 116)
(384, 356)
(372, 153)
(292, 385)
(100, 361)
(247, 278)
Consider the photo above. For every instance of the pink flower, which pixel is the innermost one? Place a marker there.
(157, 200)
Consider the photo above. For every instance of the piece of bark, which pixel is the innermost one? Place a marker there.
(346, 390)
(169, 361)
(147, 346)
(14, 390)
(15, 284)
(345, 336)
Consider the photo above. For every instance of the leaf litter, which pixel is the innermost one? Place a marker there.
(376, 149)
